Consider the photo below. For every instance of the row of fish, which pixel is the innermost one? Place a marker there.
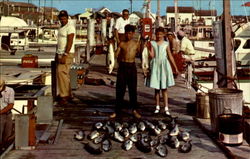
(146, 136)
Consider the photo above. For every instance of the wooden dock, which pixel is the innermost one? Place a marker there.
(96, 102)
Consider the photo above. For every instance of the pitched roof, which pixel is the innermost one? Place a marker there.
(21, 4)
(50, 8)
(139, 14)
(181, 9)
(206, 12)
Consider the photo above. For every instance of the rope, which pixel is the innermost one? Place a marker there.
(229, 78)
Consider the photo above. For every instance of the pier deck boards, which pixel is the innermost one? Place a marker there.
(97, 102)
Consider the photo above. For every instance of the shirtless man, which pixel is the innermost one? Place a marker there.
(127, 73)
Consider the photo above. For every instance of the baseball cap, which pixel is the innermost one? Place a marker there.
(63, 13)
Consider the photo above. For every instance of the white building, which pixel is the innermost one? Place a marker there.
(185, 15)
(135, 18)
(206, 16)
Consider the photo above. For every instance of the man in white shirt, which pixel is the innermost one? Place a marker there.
(120, 26)
(65, 56)
(6, 104)
(186, 48)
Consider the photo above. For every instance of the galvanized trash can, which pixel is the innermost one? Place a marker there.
(221, 99)
(202, 106)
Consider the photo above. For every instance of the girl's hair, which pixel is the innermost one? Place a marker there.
(160, 29)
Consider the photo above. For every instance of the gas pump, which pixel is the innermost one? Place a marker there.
(146, 28)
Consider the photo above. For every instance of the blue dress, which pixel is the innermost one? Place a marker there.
(161, 74)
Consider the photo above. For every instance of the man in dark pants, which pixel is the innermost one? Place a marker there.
(127, 73)
(6, 104)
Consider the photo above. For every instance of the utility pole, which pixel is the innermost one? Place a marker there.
(131, 6)
(228, 53)
(158, 14)
(176, 23)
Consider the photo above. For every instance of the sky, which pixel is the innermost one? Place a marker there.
(78, 6)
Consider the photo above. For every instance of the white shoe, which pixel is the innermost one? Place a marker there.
(167, 111)
(157, 109)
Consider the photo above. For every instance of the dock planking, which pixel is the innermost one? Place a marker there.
(97, 102)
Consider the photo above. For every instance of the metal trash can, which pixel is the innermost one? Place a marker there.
(221, 99)
(202, 106)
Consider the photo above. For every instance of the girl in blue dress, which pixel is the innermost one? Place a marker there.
(161, 74)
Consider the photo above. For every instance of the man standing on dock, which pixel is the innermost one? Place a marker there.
(65, 56)
(186, 47)
(6, 104)
(120, 26)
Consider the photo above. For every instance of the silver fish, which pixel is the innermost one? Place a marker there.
(143, 146)
(157, 130)
(164, 139)
(93, 149)
(185, 136)
(141, 126)
(134, 138)
(118, 126)
(174, 142)
(150, 125)
(109, 129)
(154, 142)
(127, 145)
(106, 145)
(145, 137)
(125, 132)
(118, 137)
(133, 129)
(162, 125)
(175, 131)
(98, 125)
(79, 136)
(98, 139)
(94, 134)
(161, 150)
(186, 147)
(125, 125)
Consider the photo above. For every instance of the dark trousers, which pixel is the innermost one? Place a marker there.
(5, 127)
(126, 76)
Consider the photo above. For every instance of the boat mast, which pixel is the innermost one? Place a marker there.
(176, 15)
(158, 13)
(148, 8)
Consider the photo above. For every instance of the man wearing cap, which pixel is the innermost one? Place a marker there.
(64, 56)
(120, 26)
(186, 48)
(6, 104)
(174, 46)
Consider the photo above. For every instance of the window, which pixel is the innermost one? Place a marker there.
(247, 44)
(211, 44)
(236, 44)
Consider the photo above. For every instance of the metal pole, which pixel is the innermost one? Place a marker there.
(158, 13)
(228, 42)
(176, 15)
(131, 6)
